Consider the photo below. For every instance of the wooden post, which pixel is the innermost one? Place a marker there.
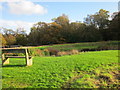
(4, 60)
(28, 60)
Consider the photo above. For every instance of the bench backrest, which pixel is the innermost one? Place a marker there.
(14, 50)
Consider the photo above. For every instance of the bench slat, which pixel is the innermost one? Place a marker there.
(16, 56)
(13, 50)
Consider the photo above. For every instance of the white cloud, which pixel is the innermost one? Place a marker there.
(16, 24)
(26, 7)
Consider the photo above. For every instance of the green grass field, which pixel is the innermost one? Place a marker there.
(97, 69)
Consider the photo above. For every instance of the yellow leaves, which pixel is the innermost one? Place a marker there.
(55, 25)
(2, 40)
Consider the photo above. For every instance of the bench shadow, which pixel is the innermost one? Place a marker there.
(13, 65)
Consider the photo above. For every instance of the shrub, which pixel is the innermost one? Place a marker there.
(39, 52)
(62, 53)
(53, 51)
(46, 52)
(74, 51)
(36, 52)
(68, 52)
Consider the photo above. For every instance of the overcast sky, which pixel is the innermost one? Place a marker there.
(25, 13)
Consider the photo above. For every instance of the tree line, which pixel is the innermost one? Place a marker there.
(96, 27)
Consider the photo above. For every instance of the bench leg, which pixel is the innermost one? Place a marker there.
(5, 61)
(29, 62)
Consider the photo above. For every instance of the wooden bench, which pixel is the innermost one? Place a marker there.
(5, 59)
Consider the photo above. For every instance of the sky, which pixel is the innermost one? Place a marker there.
(25, 13)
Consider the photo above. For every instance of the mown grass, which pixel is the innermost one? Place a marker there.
(85, 70)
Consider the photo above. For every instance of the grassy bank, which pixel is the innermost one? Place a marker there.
(84, 45)
(85, 70)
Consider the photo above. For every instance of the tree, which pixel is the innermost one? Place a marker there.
(9, 36)
(37, 33)
(114, 27)
(10, 39)
(54, 31)
(8, 31)
(2, 40)
(20, 31)
(74, 32)
(90, 34)
(99, 19)
(62, 20)
(46, 33)
(21, 37)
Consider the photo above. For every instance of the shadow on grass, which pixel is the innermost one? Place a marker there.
(13, 65)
